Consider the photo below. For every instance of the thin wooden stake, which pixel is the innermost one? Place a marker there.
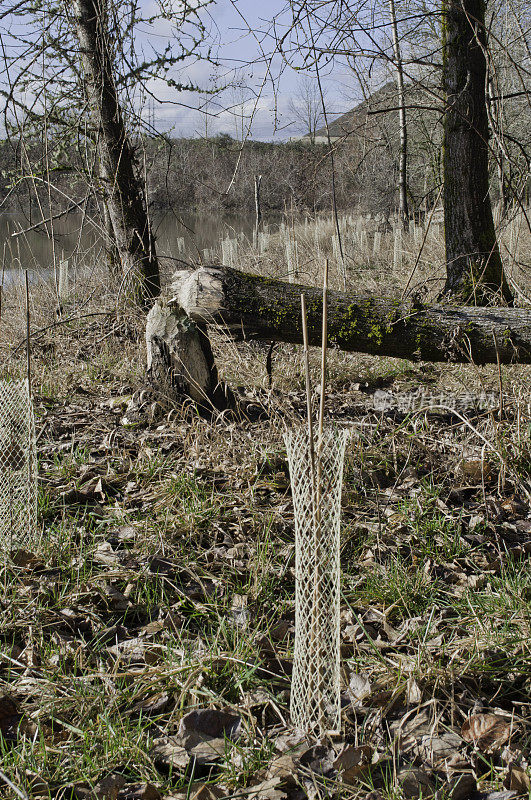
(314, 645)
(500, 378)
(323, 353)
(324, 339)
(28, 339)
(308, 386)
(317, 519)
(2, 280)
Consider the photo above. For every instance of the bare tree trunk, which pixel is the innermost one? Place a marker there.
(474, 268)
(257, 205)
(402, 165)
(113, 256)
(124, 197)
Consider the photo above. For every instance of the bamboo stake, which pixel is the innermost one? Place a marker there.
(28, 368)
(28, 340)
(308, 386)
(313, 650)
(323, 354)
(2, 279)
(318, 527)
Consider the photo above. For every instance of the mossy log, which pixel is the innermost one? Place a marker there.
(254, 307)
(180, 359)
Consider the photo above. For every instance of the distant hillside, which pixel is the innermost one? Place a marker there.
(379, 107)
(352, 120)
(370, 133)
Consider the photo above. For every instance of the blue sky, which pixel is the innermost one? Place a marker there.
(240, 31)
(261, 90)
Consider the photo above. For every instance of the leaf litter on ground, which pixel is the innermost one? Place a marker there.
(146, 644)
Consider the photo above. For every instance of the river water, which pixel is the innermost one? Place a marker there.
(77, 239)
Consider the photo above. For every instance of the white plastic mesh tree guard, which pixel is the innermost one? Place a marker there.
(18, 466)
(315, 698)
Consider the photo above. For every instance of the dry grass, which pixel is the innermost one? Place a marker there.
(410, 262)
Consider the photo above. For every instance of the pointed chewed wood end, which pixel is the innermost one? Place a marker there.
(180, 362)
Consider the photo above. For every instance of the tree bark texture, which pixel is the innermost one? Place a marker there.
(257, 204)
(180, 359)
(402, 165)
(474, 268)
(254, 307)
(123, 190)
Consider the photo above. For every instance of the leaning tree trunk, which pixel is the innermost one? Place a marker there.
(253, 307)
(124, 196)
(473, 262)
(403, 210)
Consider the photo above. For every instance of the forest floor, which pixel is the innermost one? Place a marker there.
(146, 637)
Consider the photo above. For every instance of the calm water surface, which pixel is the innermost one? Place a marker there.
(77, 239)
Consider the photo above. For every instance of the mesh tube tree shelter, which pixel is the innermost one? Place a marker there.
(315, 697)
(18, 466)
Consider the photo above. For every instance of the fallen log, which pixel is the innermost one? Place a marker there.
(256, 307)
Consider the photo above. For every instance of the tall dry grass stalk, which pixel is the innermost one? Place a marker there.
(375, 252)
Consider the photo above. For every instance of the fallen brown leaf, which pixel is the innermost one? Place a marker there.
(518, 779)
(443, 750)
(518, 553)
(462, 787)
(108, 787)
(359, 688)
(154, 704)
(476, 470)
(487, 731)
(415, 782)
(139, 791)
(26, 559)
(10, 717)
(169, 752)
(206, 791)
(266, 790)
(205, 750)
(353, 762)
(211, 722)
